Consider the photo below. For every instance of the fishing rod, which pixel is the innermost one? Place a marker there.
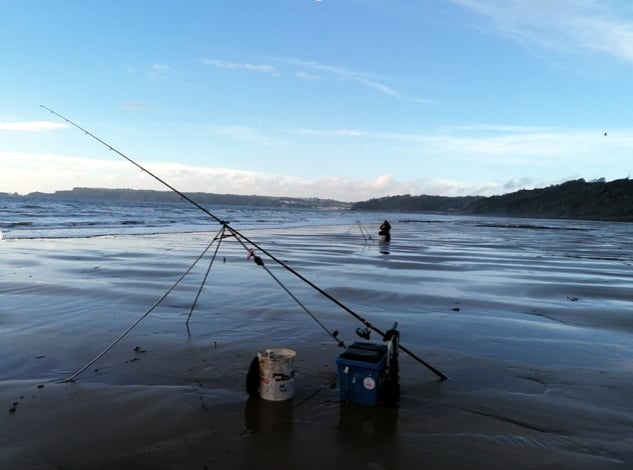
(226, 224)
(121, 154)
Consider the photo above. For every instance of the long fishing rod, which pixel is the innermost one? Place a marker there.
(367, 324)
(181, 194)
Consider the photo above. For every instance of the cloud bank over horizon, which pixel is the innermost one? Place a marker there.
(72, 172)
(494, 145)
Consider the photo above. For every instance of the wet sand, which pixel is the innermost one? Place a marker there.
(537, 346)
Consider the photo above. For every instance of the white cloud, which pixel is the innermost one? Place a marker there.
(315, 71)
(155, 71)
(500, 143)
(562, 25)
(306, 76)
(223, 64)
(31, 126)
(378, 86)
(499, 128)
(25, 173)
(535, 148)
(158, 71)
(344, 73)
(611, 37)
(332, 132)
(543, 155)
(247, 134)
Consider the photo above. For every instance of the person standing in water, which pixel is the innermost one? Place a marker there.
(385, 231)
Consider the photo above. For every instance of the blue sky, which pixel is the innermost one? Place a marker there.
(342, 99)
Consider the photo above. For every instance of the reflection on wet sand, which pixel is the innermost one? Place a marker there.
(265, 416)
(361, 423)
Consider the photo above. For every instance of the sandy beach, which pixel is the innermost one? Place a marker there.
(537, 344)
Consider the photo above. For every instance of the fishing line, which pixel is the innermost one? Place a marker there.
(140, 319)
(261, 249)
(220, 236)
(333, 334)
(363, 231)
(260, 262)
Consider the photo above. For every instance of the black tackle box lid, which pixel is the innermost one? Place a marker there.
(365, 352)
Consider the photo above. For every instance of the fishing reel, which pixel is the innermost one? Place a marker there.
(389, 334)
(363, 332)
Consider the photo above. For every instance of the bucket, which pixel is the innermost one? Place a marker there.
(277, 374)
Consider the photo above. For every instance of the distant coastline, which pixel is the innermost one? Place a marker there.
(147, 195)
(576, 199)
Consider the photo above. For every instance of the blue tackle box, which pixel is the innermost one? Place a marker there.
(361, 374)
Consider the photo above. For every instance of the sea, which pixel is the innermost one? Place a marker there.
(24, 217)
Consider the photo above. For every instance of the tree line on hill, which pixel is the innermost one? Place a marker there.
(577, 199)
(148, 195)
